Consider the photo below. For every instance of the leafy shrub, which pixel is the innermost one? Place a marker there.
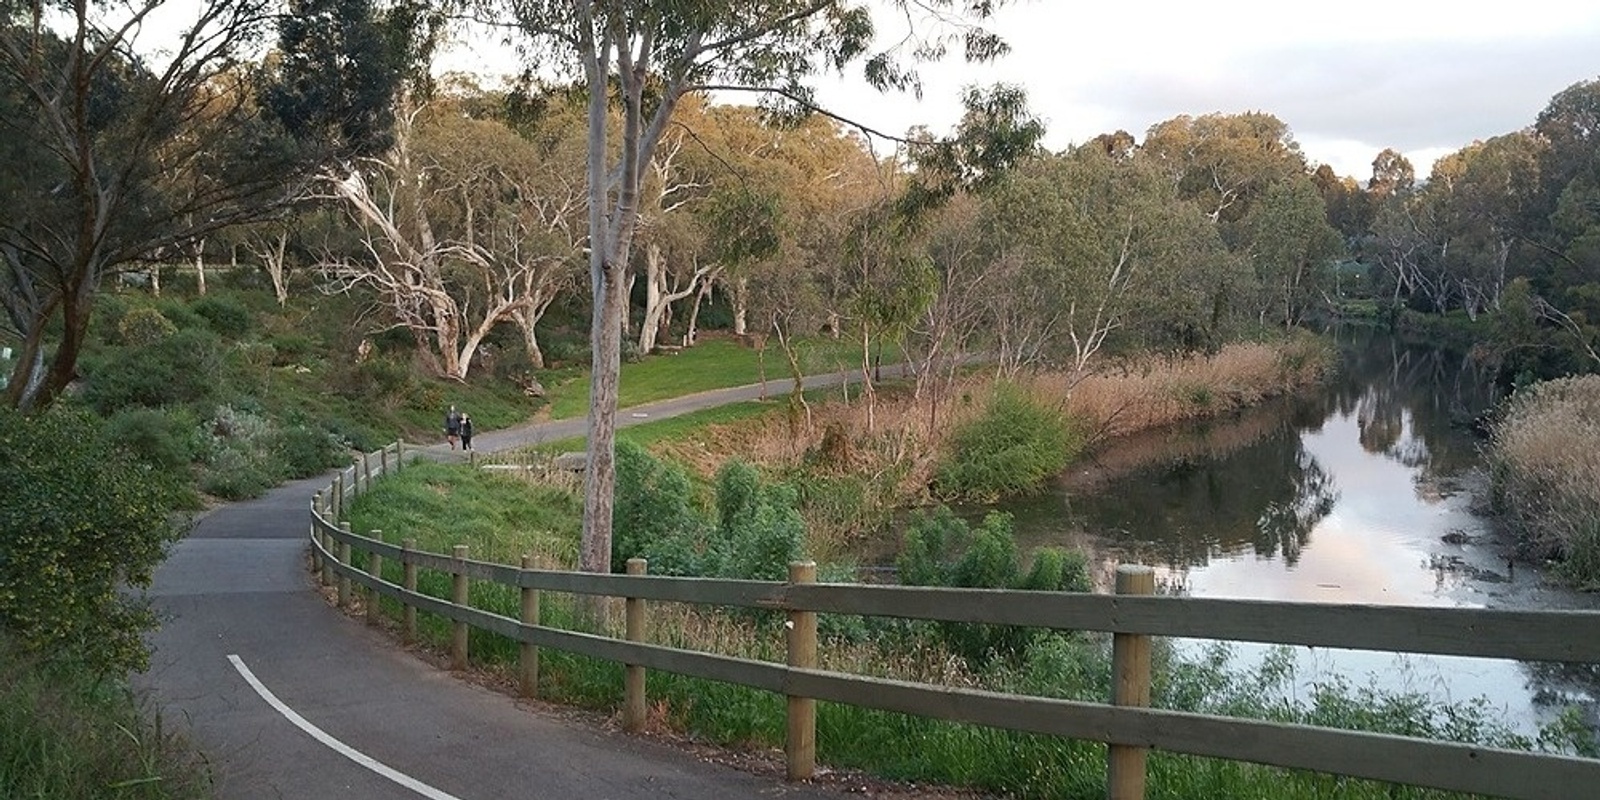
(942, 549)
(168, 440)
(567, 351)
(109, 309)
(233, 473)
(144, 326)
(379, 378)
(653, 504)
(181, 368)
(290, 347)
(81, 526)
(256, 356)
(225, 315)
(1013, 447)
(759, 531)
(631, 354)
(242, 459)
(182, 314)
(305, 452)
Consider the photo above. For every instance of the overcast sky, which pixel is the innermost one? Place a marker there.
(1349, 78)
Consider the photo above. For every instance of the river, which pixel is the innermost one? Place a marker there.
(1365, 491)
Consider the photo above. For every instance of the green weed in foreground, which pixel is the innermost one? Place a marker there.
(64, 736)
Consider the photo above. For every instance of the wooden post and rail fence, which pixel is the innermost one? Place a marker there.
(1132, 615)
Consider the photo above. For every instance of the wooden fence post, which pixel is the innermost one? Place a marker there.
(528, 663)
(409, 580)
(399, 453)
(633, 700)
(344, 558)
(1130, 675)
(458, 595)
(338, 496)
(316, 536)
(366, 472)
(375, 570)
(326, 539)
(383, 460)
(800, 738)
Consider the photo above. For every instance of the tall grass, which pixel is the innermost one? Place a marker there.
(1544, 460)
(1138, 394)
(63, 735)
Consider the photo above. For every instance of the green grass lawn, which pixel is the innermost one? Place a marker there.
(712, 364)
(686, 426)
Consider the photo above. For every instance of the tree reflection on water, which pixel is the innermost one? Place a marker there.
(1248, 486)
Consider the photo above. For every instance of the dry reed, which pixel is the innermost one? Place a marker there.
(908, 433)
(1545, 462)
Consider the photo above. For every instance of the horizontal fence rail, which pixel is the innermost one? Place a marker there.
(1130, 728)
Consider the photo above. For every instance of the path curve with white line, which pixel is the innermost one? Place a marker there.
(290, 699)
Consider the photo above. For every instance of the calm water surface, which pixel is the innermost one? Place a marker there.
(1362, 493)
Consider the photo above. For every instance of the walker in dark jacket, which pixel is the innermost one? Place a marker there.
(452, 425)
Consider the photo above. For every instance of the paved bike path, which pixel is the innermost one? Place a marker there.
(235, 597)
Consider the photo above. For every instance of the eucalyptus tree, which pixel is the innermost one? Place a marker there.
(133, 139)
(1292, 247)
(1224, 162)
(1488, 192)
(1094, 245)
(464, 226)
(649, 54)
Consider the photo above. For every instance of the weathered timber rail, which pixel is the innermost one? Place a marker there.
(1133, 615)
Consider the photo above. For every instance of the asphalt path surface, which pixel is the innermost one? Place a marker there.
(289, 698)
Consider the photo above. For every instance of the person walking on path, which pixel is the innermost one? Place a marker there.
(452, 426)
(466, 432)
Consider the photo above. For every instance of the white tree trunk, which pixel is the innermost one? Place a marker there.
(200, 266)
(741, 305)
(660, 295)
(693, 332)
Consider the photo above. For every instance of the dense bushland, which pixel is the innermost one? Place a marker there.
(239, 394)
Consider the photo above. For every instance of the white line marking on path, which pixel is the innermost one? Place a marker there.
(337, 746)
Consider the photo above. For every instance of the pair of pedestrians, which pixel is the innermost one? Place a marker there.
(458, 425)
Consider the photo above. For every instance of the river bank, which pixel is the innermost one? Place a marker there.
(1370, 489)
(859, 463)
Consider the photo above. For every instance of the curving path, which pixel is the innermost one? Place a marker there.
(289, 698)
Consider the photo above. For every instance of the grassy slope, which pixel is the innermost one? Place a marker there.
(715, 363)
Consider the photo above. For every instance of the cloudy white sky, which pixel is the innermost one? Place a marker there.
(1349, 77)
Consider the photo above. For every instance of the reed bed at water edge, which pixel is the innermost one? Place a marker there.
(1544, 461)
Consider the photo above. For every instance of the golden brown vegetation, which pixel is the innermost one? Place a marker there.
(1123, 398)
(1545, 460)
